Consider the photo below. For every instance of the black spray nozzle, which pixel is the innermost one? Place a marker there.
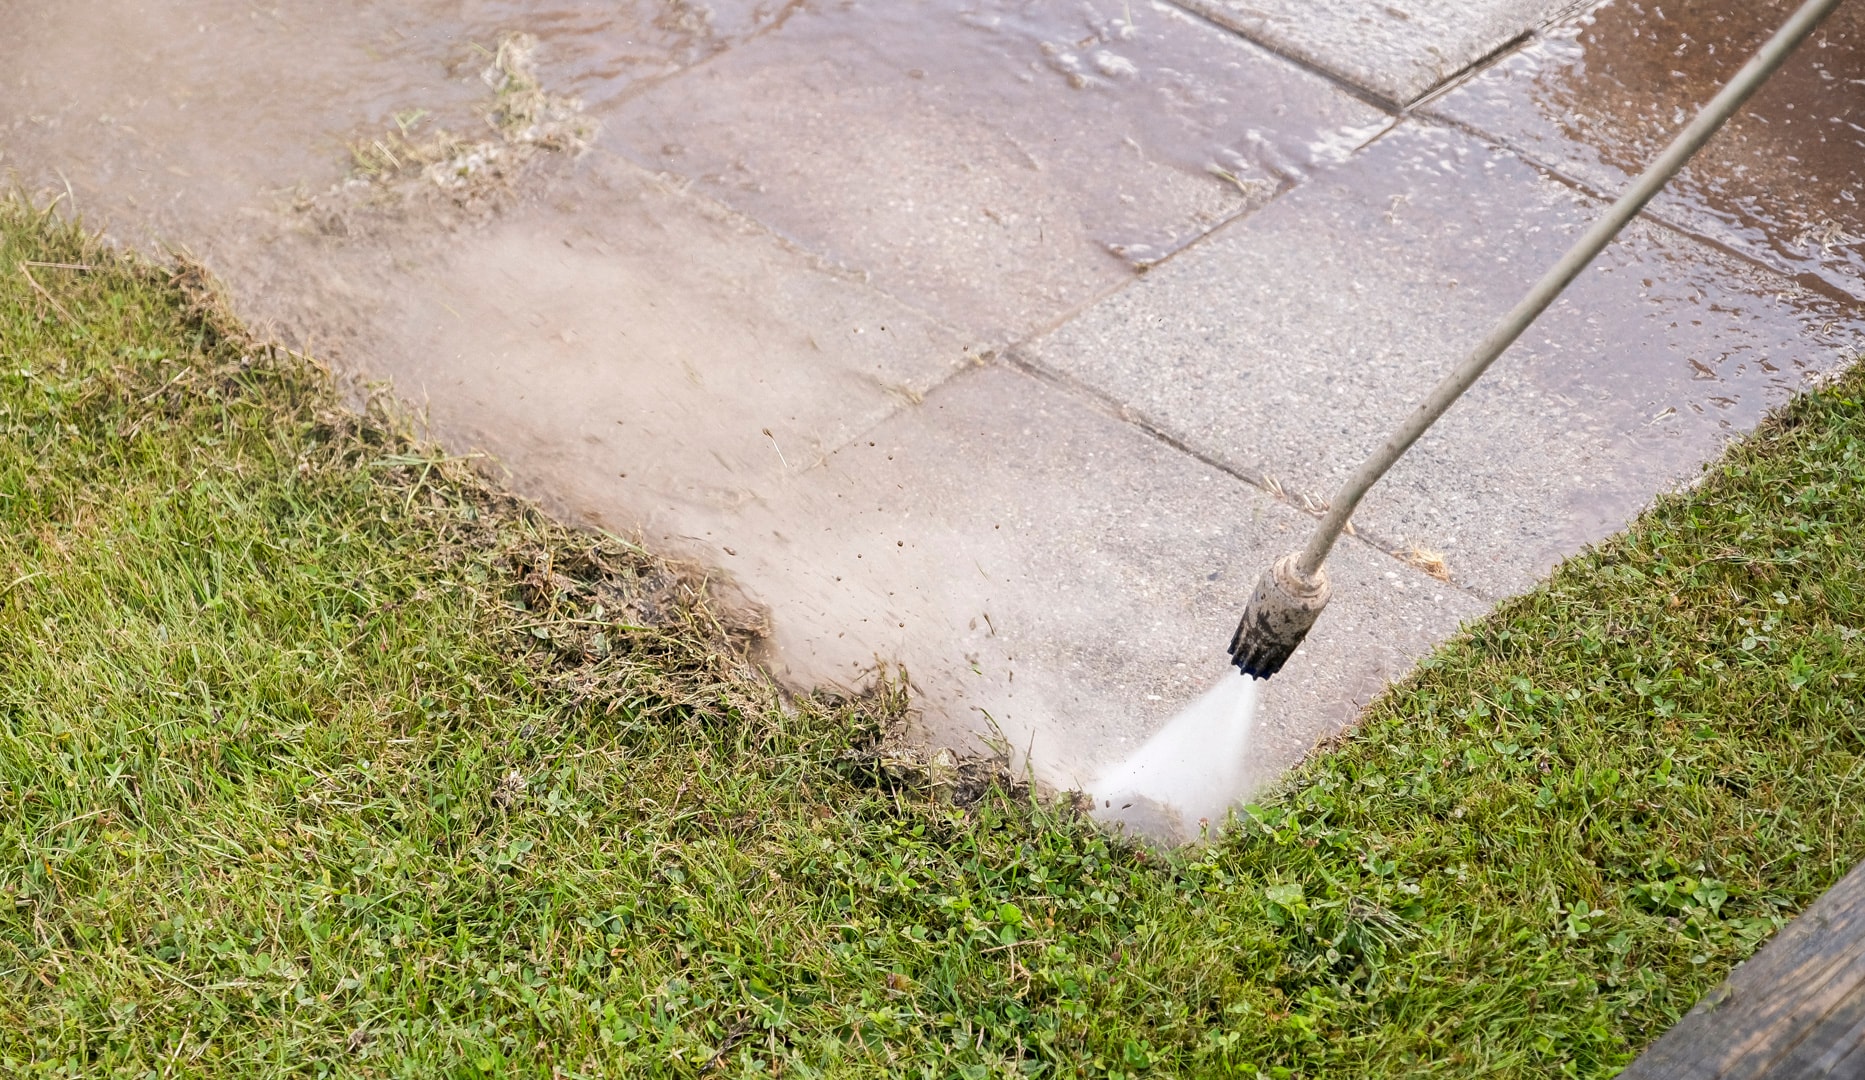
(1280, 612)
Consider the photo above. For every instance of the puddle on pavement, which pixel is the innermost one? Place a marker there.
(995, 162)
(1783, 182)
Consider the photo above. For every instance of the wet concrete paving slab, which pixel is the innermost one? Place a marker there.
(164, 119)
(175, 123)
(996, 162)
(1394, 49)
(1598, 96)
(1285, 346)
(589, 333)
(1046, 571)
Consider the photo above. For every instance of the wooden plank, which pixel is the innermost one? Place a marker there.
(1794, 1011)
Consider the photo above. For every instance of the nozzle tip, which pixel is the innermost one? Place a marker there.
(1278, 617)
(1260, 660)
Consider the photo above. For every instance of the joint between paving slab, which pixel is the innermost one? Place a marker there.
(1470, 71)
(1263, 482)
(1810, 282)
(1498, 54)
(1142, 270)
(1204, 12)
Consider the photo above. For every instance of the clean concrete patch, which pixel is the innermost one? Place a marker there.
(1047, 571)
(591, 346)
(1288, 344)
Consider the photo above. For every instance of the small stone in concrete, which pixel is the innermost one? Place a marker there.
(1289, 344)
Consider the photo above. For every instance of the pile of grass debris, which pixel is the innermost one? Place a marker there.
(320, 755)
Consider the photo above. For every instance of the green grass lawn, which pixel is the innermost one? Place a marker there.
(318, 755)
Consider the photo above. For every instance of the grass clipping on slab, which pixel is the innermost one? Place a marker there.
(522, 120)
(320, 755)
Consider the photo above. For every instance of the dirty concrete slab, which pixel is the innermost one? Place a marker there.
(997, 163)
(1395, 49)
(1599, 95)
(163, 119)
(1285, 346)
(1044, 569)
(180, 123)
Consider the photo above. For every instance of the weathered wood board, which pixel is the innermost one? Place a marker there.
(1794, 1011)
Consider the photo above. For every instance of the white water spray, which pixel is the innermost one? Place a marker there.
(1191, 771)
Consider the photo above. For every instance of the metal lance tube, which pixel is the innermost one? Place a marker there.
(1289, 597)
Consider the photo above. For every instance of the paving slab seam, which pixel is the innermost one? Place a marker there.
(1302, 502)
(1291, 183)
(684, 187)
(1209, 12)
(1064, 317)
(1474, 68)
(1009, 352)
(1206, 12)
(1809, 281)
(1422, 105)
(1469, 71)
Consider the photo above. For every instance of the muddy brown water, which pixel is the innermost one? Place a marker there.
(1784, 182)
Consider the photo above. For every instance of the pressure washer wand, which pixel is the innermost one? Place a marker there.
(1291, 594)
